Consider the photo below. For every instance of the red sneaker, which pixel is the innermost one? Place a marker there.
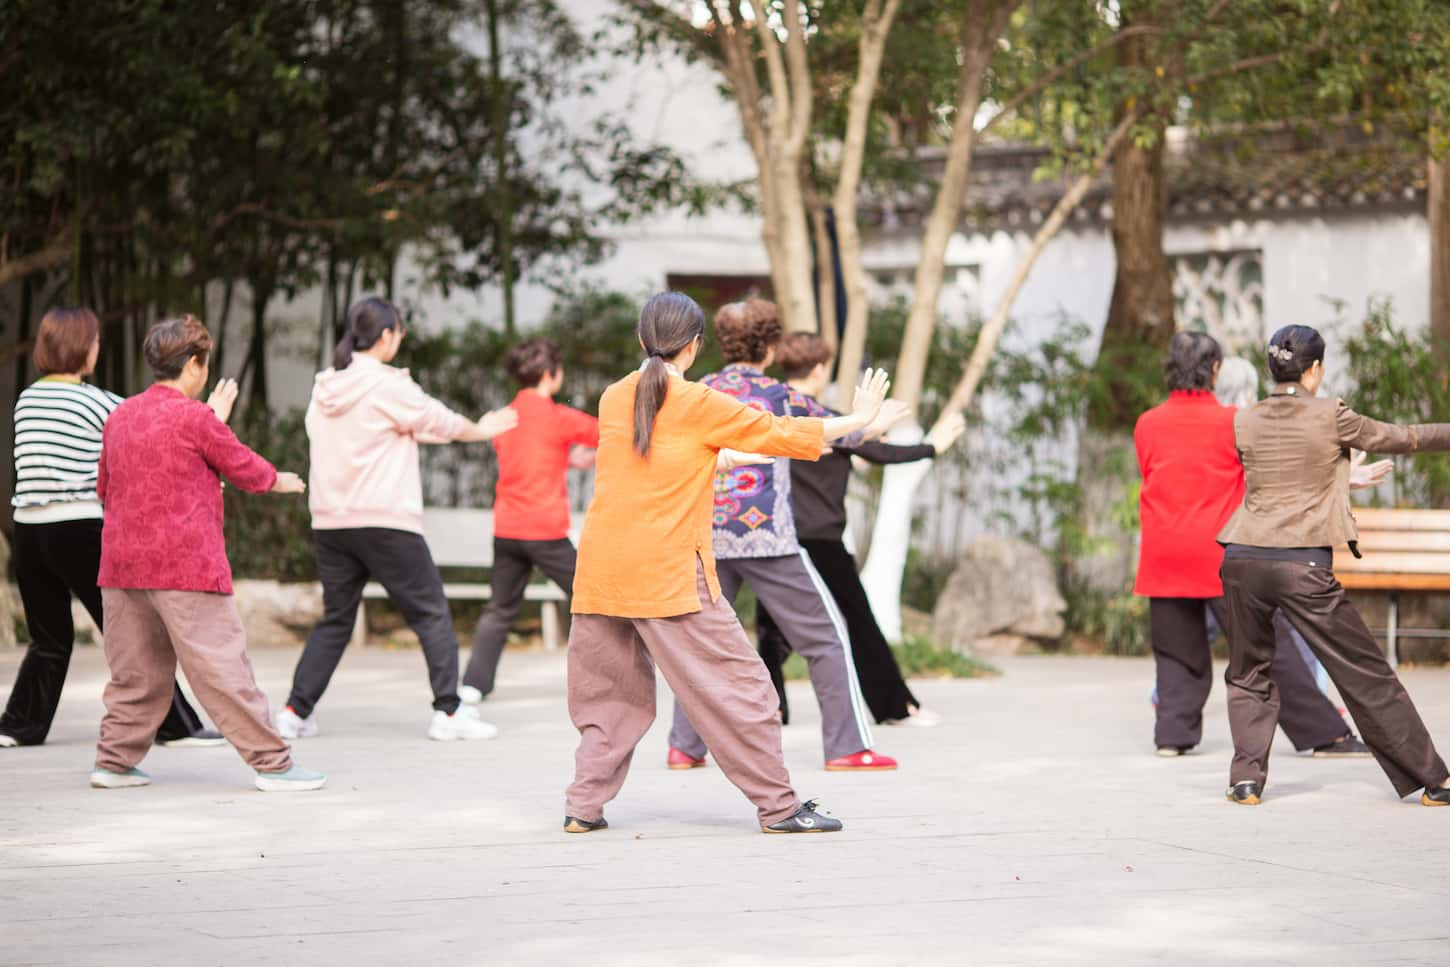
(679, 760)
(863, 761)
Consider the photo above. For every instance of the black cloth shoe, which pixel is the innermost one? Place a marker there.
(1439, 796)
(1349, 747)
(806, 820)
(1245, 793)
(573, 824)
(200, 739)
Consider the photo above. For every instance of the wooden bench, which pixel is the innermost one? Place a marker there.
(463, 537)
(1404, 550)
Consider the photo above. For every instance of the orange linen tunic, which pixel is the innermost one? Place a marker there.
(650, 519)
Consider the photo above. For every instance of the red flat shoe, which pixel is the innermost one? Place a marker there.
(863, 761)
(679, 760)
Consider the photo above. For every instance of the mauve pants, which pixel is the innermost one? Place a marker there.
(1314, 601)
(717, 678)
(802, 606)
(147, 633)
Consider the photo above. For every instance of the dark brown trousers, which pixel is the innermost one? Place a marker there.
(1316, 604)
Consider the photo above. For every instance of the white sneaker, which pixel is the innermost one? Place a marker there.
(295, 779)
(920, 719)
(290, 725)
(469, 695)
(462, 724)
(8, 741)
(131, 778)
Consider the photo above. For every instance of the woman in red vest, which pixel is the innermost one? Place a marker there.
(1192, 484)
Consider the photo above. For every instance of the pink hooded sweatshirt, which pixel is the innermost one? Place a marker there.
(364, 424)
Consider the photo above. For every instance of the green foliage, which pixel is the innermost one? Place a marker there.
(1402, 378)
(270, 535)
(1118, 620)
(156, 148)
(918, 657)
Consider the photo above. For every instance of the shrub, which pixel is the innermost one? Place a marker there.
(1402, 379)
(270, 535)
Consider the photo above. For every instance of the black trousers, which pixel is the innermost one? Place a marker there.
(1184, 663)
(401, 563)
(1315, 602)
(882, 684)
(513, 564)
(53, 562)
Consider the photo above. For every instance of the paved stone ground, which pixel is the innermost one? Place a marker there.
(1034, 827)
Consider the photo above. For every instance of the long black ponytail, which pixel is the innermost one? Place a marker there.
(668, 324)
(367, 320)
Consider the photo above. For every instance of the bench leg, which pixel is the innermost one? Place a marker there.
(360, 626)
(1393, 632)
(549, 615)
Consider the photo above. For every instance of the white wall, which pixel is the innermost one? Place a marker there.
(1308, 264)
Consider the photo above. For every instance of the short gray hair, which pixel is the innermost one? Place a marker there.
(1238, 383)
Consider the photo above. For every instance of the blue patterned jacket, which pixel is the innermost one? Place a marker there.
(752, 504)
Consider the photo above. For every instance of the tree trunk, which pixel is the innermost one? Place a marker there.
(257, 352)
(501, 116)
(797, 301)
(891, 535)
(825, 275)
(223, 320)
(1438, 214)
(993, 328)
(982, 23)
(1140, 316)
(875, 28)
(328, 313)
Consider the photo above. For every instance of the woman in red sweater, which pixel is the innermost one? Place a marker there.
(1192, 484)
(166, 586)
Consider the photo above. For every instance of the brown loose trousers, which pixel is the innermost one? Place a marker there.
(718, 680)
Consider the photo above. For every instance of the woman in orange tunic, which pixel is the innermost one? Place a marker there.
(646, 594)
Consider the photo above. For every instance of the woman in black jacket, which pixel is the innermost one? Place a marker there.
(818, 499)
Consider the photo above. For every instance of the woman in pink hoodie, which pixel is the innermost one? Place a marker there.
(365, 422)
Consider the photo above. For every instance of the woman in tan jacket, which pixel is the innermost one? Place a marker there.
(1295, 450)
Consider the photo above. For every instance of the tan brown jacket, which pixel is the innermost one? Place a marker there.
(1295, 452)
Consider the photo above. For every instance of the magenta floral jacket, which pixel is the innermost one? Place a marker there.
(163, 458)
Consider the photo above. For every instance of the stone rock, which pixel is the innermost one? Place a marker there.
(1002, 599)
(276, 613)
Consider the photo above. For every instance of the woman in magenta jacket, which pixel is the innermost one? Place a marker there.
(166, 585)
(1192, 484)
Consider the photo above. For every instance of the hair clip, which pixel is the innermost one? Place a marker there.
(1279, 353)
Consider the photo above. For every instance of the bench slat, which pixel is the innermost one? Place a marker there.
(1405, 562)
(1372, 581)
(1391, 518)
(1377, 541)
(547, 591)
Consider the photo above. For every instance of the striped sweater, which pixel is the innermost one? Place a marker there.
(57, 446)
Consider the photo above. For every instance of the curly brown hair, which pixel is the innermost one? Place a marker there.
(747, 330)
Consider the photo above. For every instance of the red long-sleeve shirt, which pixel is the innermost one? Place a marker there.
(531, 502)
(1192, 484)
(162, 460)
